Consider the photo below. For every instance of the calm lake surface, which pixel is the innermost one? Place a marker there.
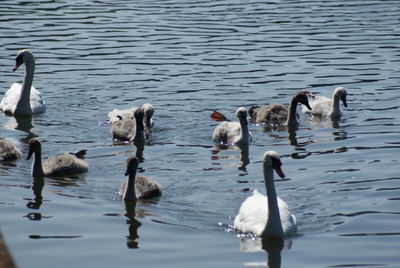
(188, 58)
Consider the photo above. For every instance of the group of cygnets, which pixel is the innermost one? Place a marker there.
(264, 216)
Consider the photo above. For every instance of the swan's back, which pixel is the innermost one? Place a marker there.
(253, 215)
(227, 132)
(66, 164)
(274, 113)
(146, 187)
(116, 114)
(123, 129)
(8, 152)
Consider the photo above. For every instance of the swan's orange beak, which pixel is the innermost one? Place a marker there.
(278, 170)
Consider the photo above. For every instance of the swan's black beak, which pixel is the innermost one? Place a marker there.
(30, 153)
(344, 101)
(307, 105)
(277, 167)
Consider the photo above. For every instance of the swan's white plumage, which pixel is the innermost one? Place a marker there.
(253, 215)
(231, 133)
(328, 107)
(266, 216)
(31, 102)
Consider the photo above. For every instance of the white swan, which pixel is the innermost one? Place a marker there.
(137, 186)
(278, 114)
(8, 152)
(266, 216)
(61, 165)
(324, 106)
(130, 129)
(23, 99)
(148, 109)
(233, 133)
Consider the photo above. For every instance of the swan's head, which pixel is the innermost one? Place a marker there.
(341, 93)
(302, 97)
(23, 56)
(138, 114)
(241, 113)
(148, 110)
(132, 164)
(271, 159)
(34, 146)
(253, 111)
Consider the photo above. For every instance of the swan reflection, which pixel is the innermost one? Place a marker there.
(130, 207)
(244, 154)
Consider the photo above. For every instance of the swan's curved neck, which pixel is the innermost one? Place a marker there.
(37, 169)
(335, 108)
(292, 117)
(130, 191)
(23, 106)
(273, 227)
(244, 133)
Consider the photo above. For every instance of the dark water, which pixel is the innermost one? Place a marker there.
(188, 58)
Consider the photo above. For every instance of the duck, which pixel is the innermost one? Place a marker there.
(148, 109)
(137, 186)
(57, 166)
(279, 114)
(23, 99)
(130, 129)
(233, 133)
(266, 216)
(328, 107)
(8, 151)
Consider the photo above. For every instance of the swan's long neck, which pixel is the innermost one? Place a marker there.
(274, 224)
(130, 191)
(139, 135)
(23, 106)
(335, 108)
(244, 132)
(292, 117)
(37, 169)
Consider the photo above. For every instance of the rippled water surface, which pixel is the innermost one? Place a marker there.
(188, 58)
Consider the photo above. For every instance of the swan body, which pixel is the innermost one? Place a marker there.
(137, 186)
(8, 152)
(61, 165)
(279, 114)
(328, 107)
(266, 216)
(233, 133)
(23, 99)
(130, 129)
(148, 109)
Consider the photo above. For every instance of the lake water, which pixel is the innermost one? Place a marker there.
(188, 58)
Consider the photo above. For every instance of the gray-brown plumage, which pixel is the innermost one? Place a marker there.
(278, 114)
(130, 129)
(61, 165)
(138, 186)
(8, 152)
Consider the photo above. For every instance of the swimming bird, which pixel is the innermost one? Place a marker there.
(279, 114)
(137, 186)
(130, 129)
(266, 216)
(148, 109)
(328, 107)
(8, 151)
(233, 133)
(61, 165)
(23, 99)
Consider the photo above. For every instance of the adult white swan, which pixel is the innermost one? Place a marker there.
(328, 107)
(137, 186)
(233, 133)
(23, 99)
(278, 114)
(266, 216)
(61, 165)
